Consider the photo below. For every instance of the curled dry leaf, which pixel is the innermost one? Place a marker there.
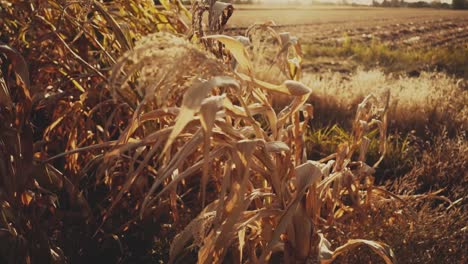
(297, 88)
(276, 146)
(244, 40)
(326, 255)
(324, 251)
(219, 15)
(236, 48)
(191, 104)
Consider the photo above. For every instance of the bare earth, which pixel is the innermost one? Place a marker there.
(410, 26)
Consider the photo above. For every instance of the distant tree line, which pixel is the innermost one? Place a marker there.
(460, 4)
(240, 1)
(456, 4)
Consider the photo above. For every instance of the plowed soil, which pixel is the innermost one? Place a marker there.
(397, 26)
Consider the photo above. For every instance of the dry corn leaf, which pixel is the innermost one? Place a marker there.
(5, 97)
(292, 110)
(191, 104)
(116, 28)
(197, 225)
(132, 175)
(276, 146)
(186, 173)
(236, 48)
(303, 229)
(326, 255)
(164, 172)
(264, 26)
(244, 40)
(365, 142)
(307, 174)
(288, 87)
(219, 15)
(324, 251)
(241, 236)
(19, 64)
(290, 47)
(26, 197)
(215, 249)
(210, 106)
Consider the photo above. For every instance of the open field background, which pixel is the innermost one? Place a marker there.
(339, 17)
(410, 39)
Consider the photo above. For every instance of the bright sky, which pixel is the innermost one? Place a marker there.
(352, 1)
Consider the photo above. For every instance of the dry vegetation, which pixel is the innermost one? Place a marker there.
(132, 134)
(426, 105)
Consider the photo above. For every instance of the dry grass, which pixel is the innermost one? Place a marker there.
(431, 103)
(426, 153)
(130, 130)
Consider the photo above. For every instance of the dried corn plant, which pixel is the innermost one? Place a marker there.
(218, 14)
(25, 205)
(66, 49)
(281, 50)
(207, 131)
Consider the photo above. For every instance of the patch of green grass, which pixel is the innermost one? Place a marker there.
(393, 59)
(399, 159)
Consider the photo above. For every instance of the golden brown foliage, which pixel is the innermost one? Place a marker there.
(131, 127)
